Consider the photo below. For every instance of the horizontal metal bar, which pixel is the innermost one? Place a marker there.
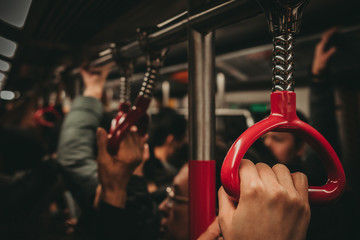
(174, 30)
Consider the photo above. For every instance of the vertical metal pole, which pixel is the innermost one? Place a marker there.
(202, 130)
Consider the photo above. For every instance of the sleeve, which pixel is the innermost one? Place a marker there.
(323, 119)
(76, 149)
(105, 223)
(322, 111)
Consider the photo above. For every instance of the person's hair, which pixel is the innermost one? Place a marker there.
(167, 121)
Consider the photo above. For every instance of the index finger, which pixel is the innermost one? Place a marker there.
(327, 34)
(248, 174)
(226, 209)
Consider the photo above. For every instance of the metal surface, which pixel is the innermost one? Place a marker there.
(137, 114)
(284, 16)
(283, 118)
(206, 19)
(201, 95)
(201, 127)
(283, 63)
(126, 71)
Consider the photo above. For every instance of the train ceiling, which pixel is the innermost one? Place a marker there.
(61, 31)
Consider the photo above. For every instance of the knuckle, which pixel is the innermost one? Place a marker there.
(295, 201)
(299, 177)
(278, 194)
(280, 167)
(253, 190)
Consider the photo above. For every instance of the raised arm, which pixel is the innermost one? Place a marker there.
(76, 149)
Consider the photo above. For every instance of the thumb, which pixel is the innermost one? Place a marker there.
(212, 232)
(84, 73)
(226, 208)
(102, 141)
(330, 52)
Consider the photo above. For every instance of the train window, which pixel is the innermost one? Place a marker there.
(2, 77)
(7, 95)
(15, 12)
(4, 66)
(7, 47)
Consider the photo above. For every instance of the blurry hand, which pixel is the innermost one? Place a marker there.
(322, 57)
(115, 171)
(94, 80)
(273, 204)
(212, 232)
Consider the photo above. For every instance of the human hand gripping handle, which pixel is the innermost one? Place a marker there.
(115, 170)
(283, 118)
(273, 204)
(94, 80)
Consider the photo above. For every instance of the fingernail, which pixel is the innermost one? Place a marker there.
(133, 128)
(98, 132)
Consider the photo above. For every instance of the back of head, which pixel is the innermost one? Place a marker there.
(167, 121)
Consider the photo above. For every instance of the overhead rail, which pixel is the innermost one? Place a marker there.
(174, 30)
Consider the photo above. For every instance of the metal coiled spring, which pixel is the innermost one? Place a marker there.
(283, 63)
(124, 95)
(149, 81)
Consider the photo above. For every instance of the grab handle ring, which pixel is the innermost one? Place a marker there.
(283, 118)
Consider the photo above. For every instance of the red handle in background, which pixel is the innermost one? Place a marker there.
(283, 118)
(126, 117)
(39, 116)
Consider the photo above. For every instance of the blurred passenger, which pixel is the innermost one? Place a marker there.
(122, 211)
(175, 208)
(30, 185)
(340, 218)
(76, 148)
(288, 148)
(168, 148)
(122, 205)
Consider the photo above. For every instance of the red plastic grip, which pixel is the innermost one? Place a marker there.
(40, 113)
(126, 117)
(283, 118)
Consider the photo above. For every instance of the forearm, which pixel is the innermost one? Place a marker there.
(76, 147)
(322, 111)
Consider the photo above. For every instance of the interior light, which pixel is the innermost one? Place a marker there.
(7, 95)
(14, 12)
(7, 47)
(2, 77)
(4, 66)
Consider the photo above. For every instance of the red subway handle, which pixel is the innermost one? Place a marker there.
(283, 118)
(126, 117)
(39, 116)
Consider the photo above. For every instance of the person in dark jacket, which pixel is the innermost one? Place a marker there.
(168, 148)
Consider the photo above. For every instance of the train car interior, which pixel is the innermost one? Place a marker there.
(217, 65)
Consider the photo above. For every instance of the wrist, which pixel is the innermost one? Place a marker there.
(93, 92)
(318, 76)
